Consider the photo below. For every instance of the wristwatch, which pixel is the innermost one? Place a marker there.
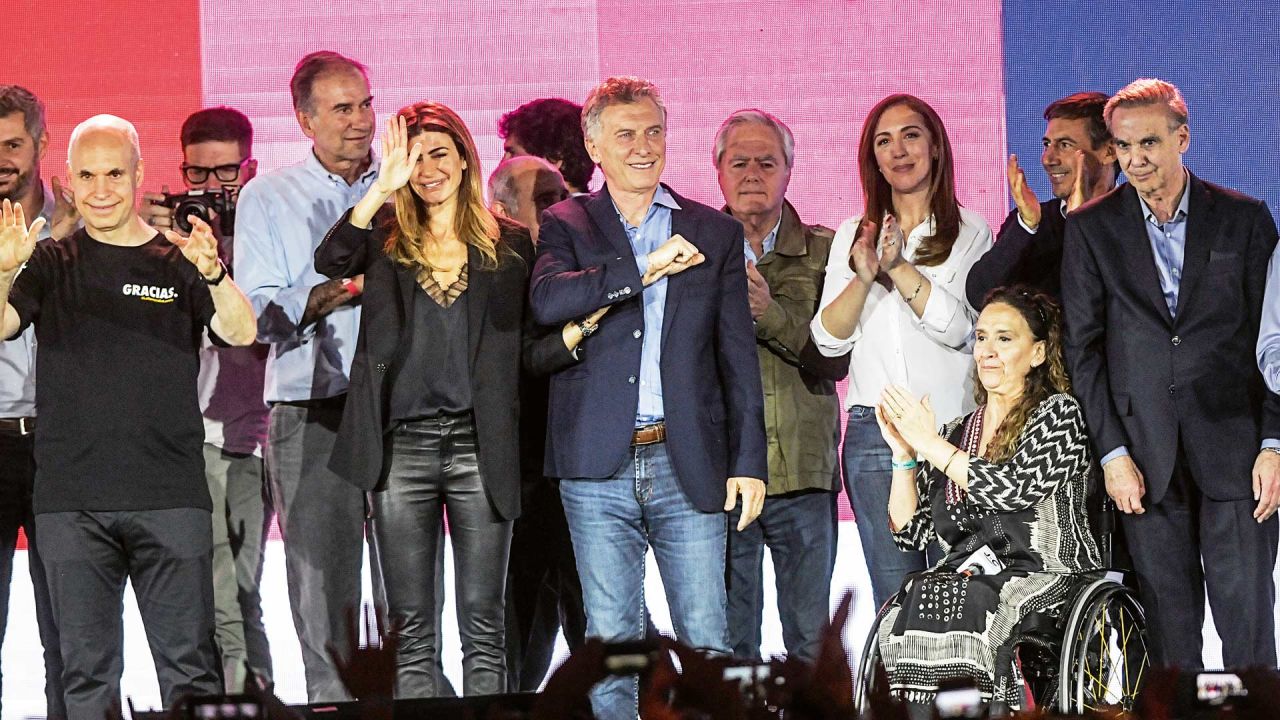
(586, 328)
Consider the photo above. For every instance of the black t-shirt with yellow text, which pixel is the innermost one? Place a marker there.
(117, 334)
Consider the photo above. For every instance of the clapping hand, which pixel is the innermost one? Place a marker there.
(398, 159)
(862, 254)
(1023, 196)
(897, 444)
(65, 215)
(912, 419)
(200, 248)
(17, 241)
(891, 242)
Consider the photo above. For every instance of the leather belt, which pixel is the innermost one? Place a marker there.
(649, 434)
(17, 426)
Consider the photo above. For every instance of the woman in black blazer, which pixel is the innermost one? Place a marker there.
(432, 413)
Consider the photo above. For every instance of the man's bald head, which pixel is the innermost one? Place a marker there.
(522, 187)
(104, 170)
(104, 127)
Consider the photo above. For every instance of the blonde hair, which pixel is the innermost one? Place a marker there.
(473, 223)
(1149, 91)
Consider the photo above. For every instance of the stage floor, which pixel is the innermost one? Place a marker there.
(24, 674)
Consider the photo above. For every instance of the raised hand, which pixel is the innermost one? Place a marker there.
(1079, 193)
(1023, 196)
(398, 159)
(200, 248)
(862, 254)
(17, 241)
(65, 215)
(758, 295)
(891, 244)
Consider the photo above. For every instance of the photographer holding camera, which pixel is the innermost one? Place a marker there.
(217, 146)
(217, 160)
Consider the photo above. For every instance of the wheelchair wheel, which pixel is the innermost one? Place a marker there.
(1104, 656)
(869, 671)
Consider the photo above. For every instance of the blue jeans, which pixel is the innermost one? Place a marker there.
(799, 530)
(613, 521)
(868, 474)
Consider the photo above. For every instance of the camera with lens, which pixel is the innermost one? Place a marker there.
(204, 204)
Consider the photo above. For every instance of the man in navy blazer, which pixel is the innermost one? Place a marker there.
(1162, 284)
(660, 427)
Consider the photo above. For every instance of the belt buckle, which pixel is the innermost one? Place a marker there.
(23, 428)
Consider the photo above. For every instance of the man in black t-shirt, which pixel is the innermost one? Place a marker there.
(120, 490)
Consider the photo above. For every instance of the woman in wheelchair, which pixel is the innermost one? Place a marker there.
(1002, 489)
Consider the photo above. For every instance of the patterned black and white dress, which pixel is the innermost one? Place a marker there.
(1031, 512)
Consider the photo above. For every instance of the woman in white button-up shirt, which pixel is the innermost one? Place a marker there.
(894, 299)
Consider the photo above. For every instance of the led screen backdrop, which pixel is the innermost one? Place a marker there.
(1223, 56)
(818, 64)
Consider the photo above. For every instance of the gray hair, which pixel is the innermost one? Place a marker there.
(311, 68)
(106, 122)
(1149, 91)
(502, 183)
(15, 98)
(753, 116)
(619, 90)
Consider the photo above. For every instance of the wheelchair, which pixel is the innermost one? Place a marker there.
(1093, 655)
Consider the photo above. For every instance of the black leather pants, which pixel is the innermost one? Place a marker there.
(434, 467)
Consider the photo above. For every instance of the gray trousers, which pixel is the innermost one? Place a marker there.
(240, 520)
(87, 557)
(321, 519)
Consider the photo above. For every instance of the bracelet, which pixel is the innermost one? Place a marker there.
(350, 287)
(954, 453)
(908, 465)
(221, 275)
(917, 292)
(586, 328)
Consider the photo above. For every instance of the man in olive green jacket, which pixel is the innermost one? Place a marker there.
(786, 261)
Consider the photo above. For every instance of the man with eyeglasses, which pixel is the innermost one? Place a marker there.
(217, 152)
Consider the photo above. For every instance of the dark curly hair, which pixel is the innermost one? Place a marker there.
(1044, 316)
(551, 128)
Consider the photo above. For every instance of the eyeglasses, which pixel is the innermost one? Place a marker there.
(196, 174)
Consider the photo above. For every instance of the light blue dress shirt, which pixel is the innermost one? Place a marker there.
(770, 241)
(18, 356)
(1269, 331)
(648, 236)
(1169, 245)
(281, 217)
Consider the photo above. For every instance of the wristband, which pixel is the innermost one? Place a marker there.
(222, 273)
(908, 465)
(351, 287)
